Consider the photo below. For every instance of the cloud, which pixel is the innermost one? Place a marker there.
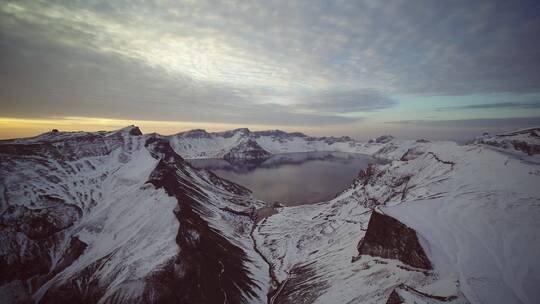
(430, 47)
(497, 105)
(284, 116)
(348, 101)
(487, 123)
(60, 82)
(204, 60)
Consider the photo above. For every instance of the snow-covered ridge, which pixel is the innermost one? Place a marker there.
(526, 140)
(243, 143)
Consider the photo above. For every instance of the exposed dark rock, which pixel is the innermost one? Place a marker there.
(365, 176)
(37, 229)
(227, 185)
(73, 252)
(330, 139)
(81, 288)
(527, 141)
(249, 150)
(388, 238)
(30, 149)
(39, 223)
(386, 149)
(451, 163)
(209, 268)
(33, 261)
(196, 133)
(245, 165)
(383, 139)
(265, 212)
(299, 288)
(279, 133)
(417, 295)
(526, 147)
(534, 132)
(394, 298)
(160, 148)
(231, 133)
(411, 154)
(135, 131)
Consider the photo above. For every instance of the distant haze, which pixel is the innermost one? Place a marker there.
(433, 69)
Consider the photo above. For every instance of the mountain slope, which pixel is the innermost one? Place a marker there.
(475, 212)
(119, 217)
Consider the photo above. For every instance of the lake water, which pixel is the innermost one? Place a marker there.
(292, 178)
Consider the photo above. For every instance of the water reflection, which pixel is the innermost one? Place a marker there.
(292, 178)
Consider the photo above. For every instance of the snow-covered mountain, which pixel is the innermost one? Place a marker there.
(245, 144)
(526, 140)
(440, 223)
(120, 217)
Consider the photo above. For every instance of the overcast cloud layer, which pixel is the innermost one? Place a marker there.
(267, 62)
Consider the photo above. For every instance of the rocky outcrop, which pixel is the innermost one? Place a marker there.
(526, 141)
(248, 150)
(369, 181)
(298, 287)
(388, 238)
(383, 139)
(404, 294)
(135, 131)
(278, 133)
(195, 133)
(242, 132)
(411, 154)
(394, 298)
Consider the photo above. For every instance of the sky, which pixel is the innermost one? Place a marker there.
(434, 69)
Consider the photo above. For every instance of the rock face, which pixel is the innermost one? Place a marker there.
(404, 294)
(210, 269)
(383, 139)
(248, 150)
(395, 298)
(386, 237)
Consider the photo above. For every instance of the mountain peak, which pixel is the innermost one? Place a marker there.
(131, 130)
(242, 130)
(195, 133)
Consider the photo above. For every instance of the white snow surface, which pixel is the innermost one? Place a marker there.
(483, 225)
(476, 211)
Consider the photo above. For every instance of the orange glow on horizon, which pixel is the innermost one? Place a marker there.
(27, 127)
